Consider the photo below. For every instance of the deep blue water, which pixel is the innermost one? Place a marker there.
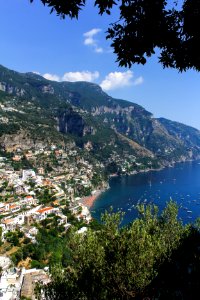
(181, 183)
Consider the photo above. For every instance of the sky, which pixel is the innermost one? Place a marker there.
(32, 40)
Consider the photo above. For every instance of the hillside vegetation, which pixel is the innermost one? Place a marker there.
(155, 257)
(38, 112)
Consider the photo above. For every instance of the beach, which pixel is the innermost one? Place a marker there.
(89, 200)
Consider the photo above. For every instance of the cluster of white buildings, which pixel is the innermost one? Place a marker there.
(20, 209)
(24, 220)
(25, 209)
(16, 283)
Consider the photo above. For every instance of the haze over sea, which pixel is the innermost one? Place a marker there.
(181, 183)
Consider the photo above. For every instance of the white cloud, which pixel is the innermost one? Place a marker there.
(112, 81)
(80, 76)
(89, 36)
(52, 77)
(138, 81)
(98, 50)
(36, 72)
(73, 76)
(115, 80)
(90, 41)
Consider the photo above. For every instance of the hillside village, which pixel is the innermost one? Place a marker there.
(59, 144)
(42, 188)
(31, 196)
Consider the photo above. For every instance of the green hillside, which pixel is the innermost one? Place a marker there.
(81, 113)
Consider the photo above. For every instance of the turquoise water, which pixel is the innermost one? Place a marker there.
(181, 183)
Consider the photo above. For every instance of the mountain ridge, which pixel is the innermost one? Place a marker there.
(82, 114)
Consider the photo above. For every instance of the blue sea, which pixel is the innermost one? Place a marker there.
(180, 183)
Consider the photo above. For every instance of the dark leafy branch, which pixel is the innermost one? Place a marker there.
(145, 25)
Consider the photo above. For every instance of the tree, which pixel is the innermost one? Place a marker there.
(117, 262)
(145, 25)
(1, 271)
(13, 238)
(0, 236)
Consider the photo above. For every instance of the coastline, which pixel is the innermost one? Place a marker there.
(89, 200)
(138, 172)
(170, 165)
(181, 183)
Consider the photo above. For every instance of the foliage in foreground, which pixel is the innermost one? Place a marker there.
(115, 262)
(144, 25)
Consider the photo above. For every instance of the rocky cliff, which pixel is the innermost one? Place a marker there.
(41, 111)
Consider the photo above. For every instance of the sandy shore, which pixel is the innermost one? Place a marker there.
(89, 201)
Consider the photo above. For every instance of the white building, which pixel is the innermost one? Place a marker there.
(27, 174)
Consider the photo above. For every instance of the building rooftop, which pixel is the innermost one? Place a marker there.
(42, 210)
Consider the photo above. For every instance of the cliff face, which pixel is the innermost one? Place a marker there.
(70, 122)
(82, 113)
(8, 88)
(73, 123)
(20, 140)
